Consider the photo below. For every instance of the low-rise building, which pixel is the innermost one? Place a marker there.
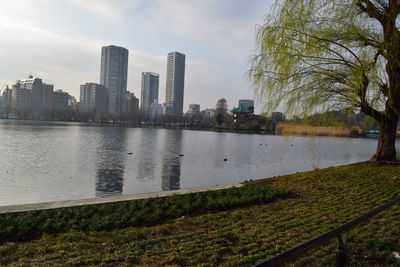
(60, 100)
(208, 114)
(194, 110)
(132, 103)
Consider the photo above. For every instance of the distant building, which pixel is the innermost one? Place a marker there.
(60, 100)
(114, 76)
(21, 95)
(244, 118)
(6, 99)
(155, 110)
(93, 98)
(194, 110)
(277, 116)
(38, 93)
(208, 113)
(132, 103)
(246, 103)
(150, 84)
(72, 103)
(30, 94)
(49, 89)
(175, 84)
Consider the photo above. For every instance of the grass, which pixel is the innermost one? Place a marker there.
(244, 235)
(309, 130)
(25, 226)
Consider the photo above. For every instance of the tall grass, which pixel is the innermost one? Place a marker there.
(309, 130)
(28, 225)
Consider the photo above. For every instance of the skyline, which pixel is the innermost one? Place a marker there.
(61, 46)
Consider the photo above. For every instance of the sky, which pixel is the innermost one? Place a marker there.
(60, 42)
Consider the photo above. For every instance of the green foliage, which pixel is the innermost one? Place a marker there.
(317, 55)
(28, 225)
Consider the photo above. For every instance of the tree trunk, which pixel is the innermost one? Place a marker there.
(386, 150)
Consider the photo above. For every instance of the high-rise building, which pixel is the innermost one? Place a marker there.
(150, 82)
(60, 100)
(194, 109)
(132, 103)
(93, 98)
(246, 103)
(175, 84)
(155, 110)
(114, 76)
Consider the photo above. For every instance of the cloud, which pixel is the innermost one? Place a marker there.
(114, 10)
(216, 25)
(60, 41)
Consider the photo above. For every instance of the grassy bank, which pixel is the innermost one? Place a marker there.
(245, 235)
(309, 130)
(25, 226)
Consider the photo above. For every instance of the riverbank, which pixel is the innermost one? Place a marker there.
(309, 130)
(236, 236)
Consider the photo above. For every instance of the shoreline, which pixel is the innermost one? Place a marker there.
(108, 200)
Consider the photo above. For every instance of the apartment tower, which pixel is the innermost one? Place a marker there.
(114, 76)
(175, 84)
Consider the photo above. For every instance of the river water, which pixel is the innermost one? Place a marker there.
(41, 162)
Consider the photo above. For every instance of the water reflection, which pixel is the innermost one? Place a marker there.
(110, 162)
(171, 163)
(147, 153)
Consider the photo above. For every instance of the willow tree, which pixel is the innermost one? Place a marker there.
(319, 55)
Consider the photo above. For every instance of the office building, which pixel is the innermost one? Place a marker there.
(155, 110)
(21, 97)
(38, 93)
(31, 94)
(60, 100)
(246, 103)
(93, 98)
(114, 75)
(150, 82)
(208, 113)
(72, 103)
(132, 103)
(49, 89)
(6, 99)
(175, 84)
(194, 110)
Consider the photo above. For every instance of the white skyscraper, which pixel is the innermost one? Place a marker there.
(175, 84)
(114, 76)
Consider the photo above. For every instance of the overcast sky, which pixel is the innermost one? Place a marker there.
(60, 42)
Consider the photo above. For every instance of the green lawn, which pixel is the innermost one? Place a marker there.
(257, 230)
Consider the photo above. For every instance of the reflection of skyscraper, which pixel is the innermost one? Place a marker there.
(175, 84)
(171, 165)
(111, 162)
(147, 149)
(114, 75)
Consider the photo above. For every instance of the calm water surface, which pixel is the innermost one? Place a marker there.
(42, 162)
